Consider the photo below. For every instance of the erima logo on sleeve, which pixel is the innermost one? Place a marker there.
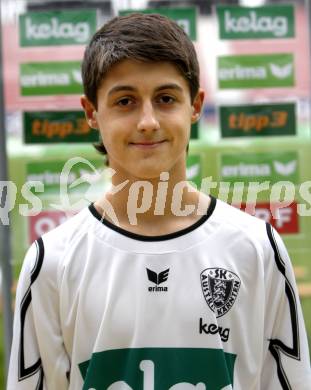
(157, 279)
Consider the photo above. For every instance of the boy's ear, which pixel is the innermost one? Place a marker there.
(90, 112)
(197, 106)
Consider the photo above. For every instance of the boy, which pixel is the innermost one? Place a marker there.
(177, 300)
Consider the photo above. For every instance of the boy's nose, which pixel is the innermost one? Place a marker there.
(147, 120)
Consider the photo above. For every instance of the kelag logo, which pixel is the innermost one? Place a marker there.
(57, 27)
(273, 167)
(159, 369)
(256, 71)
(258, 120)
(256, 22)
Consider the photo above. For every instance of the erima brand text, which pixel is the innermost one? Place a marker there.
(157, 279)
(270, 71)
(50, 78)
(252, 22)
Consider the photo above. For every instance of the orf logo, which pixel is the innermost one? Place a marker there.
(220, 288)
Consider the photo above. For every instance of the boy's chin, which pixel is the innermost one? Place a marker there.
(144, 170)
(149, 172)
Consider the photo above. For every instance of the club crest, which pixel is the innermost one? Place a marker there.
(220, 288)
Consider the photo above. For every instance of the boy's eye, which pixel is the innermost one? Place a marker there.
(124, 102)
(166, 99)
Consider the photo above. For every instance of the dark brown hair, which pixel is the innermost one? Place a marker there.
(142, 37)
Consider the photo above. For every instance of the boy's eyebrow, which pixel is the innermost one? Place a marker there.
(119, 88)
(169, 86)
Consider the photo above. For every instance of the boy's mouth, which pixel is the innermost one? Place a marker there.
(147, 144)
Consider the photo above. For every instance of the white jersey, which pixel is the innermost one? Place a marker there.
(210, 307)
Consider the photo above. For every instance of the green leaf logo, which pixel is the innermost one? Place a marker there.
(281, 72)
(285, 169)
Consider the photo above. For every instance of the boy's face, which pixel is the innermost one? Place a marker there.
(144, 115)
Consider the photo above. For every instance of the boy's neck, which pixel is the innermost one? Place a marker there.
(155, 206)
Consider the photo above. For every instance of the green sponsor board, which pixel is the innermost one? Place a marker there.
(50, 78)
(184, 17)
(159, 369)
(77, 176)
(258, 120)
(194, 131)
(256, 71)
(57, 27)
(194, 169)
(258, 167)
(275, 21)
(61, 126)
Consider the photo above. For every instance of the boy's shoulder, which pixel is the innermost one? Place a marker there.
(57, 240)
(235, 216)
(75, 223)
(246, 226)
(46, 254)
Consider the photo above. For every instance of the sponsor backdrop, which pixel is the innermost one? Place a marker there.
(43, 28)
(250, 167)
(279, 160)
(57, 126)
(278, 166)
(50, 78)
(256, 71)
(80, 177)
(256, 22)
(258, 120)
(287, 221)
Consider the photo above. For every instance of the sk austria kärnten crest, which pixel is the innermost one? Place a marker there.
(220, 289)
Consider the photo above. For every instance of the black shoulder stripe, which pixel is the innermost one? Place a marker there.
(277, 346)
(39, 261)
(23, 371)
(40, 381)
(279, 262)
